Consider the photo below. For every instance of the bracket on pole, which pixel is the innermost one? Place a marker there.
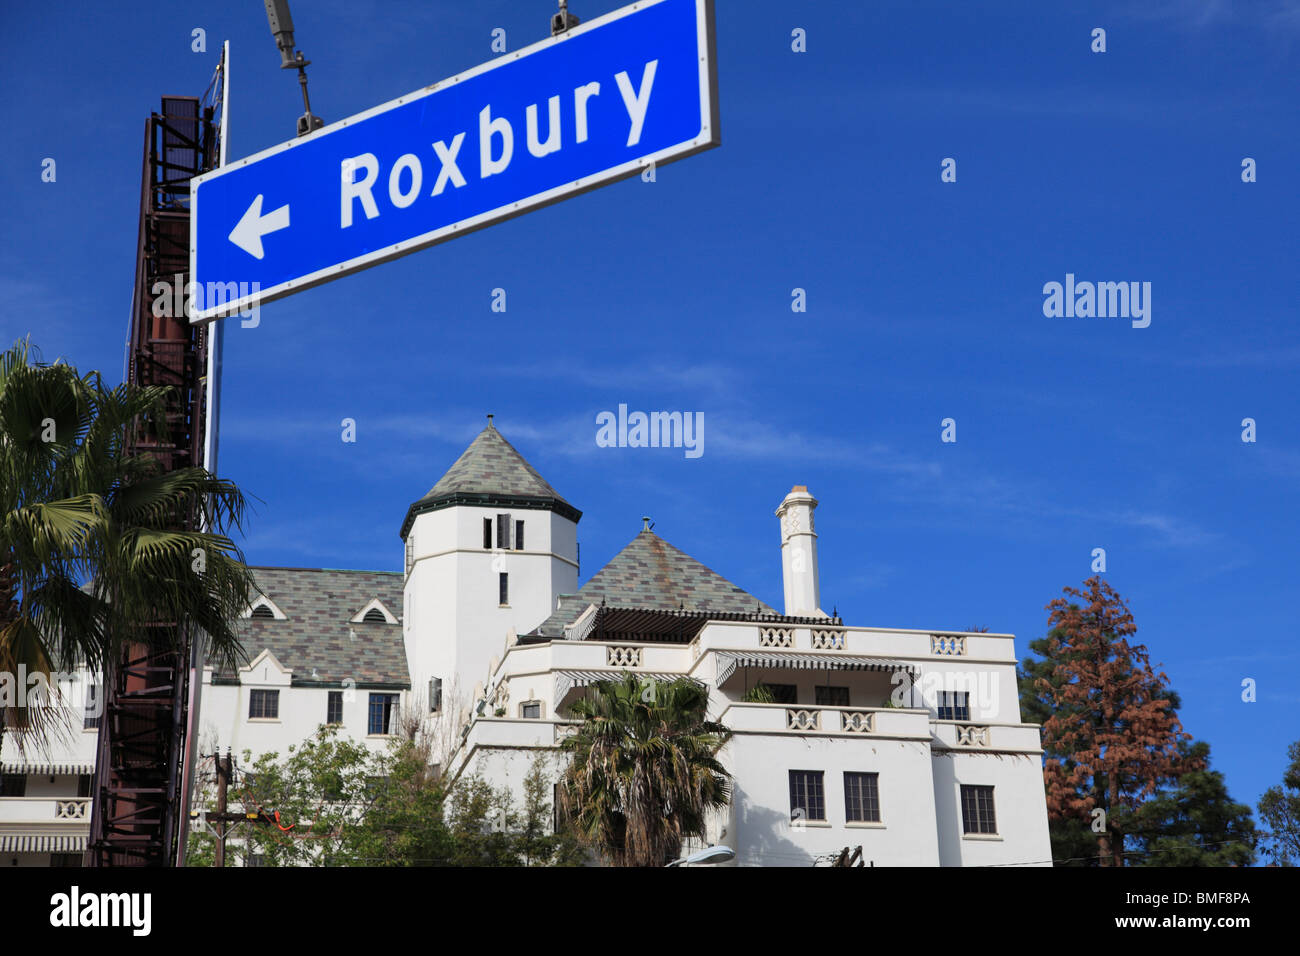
(277, 15)
(563, 20)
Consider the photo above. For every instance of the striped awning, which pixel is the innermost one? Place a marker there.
(728, 661)
(565, 681)
(46, 843)
(48, 769)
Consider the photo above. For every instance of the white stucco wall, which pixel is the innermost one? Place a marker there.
(456, 625)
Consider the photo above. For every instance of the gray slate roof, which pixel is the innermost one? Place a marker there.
(490, 472)
(651, 573)
(316, 635)
(491, 465)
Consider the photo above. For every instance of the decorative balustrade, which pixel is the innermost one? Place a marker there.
(827, 639)
(948, 645)
(972, 735)
(858, 721)
(623, 656)
(563, 731)
(77, 809)
(775, 637)
(800, 719)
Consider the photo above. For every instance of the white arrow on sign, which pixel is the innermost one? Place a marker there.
(253, 226)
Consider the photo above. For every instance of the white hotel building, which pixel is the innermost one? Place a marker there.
(906, 743)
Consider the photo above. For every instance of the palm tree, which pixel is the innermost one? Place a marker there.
(644, 774)
(90, 558)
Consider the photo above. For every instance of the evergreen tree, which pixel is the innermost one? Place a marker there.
(1279, 809)
(1195, 822)
(1111, 734)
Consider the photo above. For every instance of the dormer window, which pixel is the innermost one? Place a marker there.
(374, 613)
(263, 609)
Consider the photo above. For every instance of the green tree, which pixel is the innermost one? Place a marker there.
(644, 774)
(310, 800)
(544, 837)
(404, 824)
(1279, 810)
(1194, 822)
(90, 558)
(1111, 735)
(332, 802)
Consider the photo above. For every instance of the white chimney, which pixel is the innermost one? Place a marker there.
(799, 554)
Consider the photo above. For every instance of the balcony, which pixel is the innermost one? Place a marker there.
(830, 721)
(48, 814)
(963, 735)
(835, 639)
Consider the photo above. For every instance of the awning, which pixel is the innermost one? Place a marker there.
(48, 769)
(27, 843)
(565, 681)
(728, 661)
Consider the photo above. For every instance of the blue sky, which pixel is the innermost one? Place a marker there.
(924, 302)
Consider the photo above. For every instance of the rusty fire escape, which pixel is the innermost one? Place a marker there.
(139, 782)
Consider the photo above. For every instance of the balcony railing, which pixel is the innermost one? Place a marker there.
(617, 656)
(800, 719)
(49, 810)
(857, 721)
(963, 735)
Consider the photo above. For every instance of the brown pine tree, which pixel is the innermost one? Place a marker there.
(1112, 716)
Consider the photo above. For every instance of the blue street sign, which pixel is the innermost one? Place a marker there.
(573, 112)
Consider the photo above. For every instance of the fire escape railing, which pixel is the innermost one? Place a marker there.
(139, 798)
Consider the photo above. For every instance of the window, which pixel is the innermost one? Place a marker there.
(519, 536)
(85, 784)
(435, 694)
(94, 713)
(487, 534)
(410, 551)
(255, 859)
(832, 696)
(383, 710)
(334, 709)
(503, 532)
(375, 616)
(977, 814)
(807, 798)
(861, 797)
(504, 582)
(263, 705)
(13, 785)
(784, 693)
(263, 612)
(531, 709)
(954, 705)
